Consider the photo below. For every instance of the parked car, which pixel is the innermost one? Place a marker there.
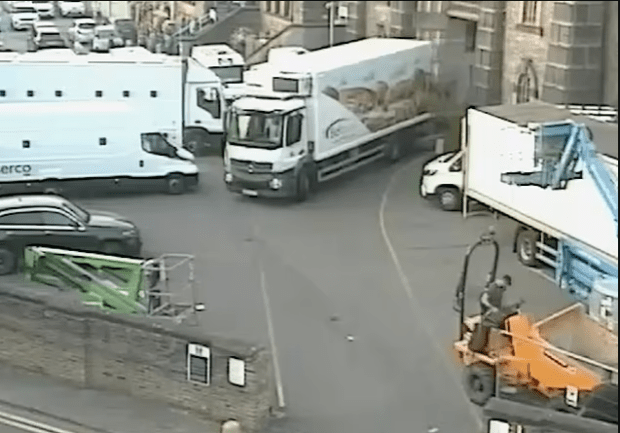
(44, 9)
(53, 221)
(106, 38)
(23, 16)
(127, 29)
(72, 9)
(83, 30)
(48, 37)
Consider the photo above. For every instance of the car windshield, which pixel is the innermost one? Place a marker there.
(77, 211)
(25, 10)
(256, 129)
(105, 33)
(229, 74)
(86, 26)
(51, 36)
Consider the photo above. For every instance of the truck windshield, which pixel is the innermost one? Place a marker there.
(229, 74)
(256, 129)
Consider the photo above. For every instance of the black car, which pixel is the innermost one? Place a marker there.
(52, 221)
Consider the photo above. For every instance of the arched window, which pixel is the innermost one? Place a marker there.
(526, 88)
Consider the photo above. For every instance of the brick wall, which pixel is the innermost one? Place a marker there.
(52, 333)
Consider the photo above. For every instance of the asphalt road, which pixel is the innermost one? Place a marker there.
(16, 40)
(362, 327)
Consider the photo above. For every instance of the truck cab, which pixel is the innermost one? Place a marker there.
(226, 63)
(266, 146)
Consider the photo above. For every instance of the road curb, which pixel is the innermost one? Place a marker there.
(54, 417)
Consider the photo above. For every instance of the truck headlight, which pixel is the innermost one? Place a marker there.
(228, 177)
(428, 172)
(275, 183)
(130, 233)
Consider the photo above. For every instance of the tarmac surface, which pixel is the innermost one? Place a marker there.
(353, 290)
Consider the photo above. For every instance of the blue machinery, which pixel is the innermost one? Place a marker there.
(559, 148)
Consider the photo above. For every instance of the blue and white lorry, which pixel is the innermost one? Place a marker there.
(537, 165)
(325, 113)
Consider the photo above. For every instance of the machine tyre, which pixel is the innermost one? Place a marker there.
(175, 184)
(8, 261)
(449, 199)
(479, 381)
(303, 186)
(526, 247)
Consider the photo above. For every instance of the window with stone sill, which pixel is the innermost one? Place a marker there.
(530, 17)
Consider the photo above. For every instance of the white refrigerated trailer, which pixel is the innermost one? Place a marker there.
(155, 82)
(538, 165)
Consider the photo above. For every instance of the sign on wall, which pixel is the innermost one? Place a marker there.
(198, 364)
(236, 371)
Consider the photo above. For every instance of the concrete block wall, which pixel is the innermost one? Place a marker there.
(51, 333)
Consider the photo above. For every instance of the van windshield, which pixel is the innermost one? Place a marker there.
(25, 10)
(229, 74)
(256, 129)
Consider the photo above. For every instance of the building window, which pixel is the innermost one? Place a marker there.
(287, 9)
(276, 7)
(530, 13)
(471, 28)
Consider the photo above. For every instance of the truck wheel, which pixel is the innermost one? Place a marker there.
(192, 140)
(7, 261)
(449, 199)
(526, 247)
(176, 184)
(303, 187)
(479, 381)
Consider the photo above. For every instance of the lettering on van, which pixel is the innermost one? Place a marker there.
(24, 169)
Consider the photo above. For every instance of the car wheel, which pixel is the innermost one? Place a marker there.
(112, 248)
(8, 260)
(176, 184)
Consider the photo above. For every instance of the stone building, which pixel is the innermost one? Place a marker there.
(510, 51)
(295, 23)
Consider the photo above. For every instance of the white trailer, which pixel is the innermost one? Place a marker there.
(535, 164)
(50, 146)
(327, 112)
(226, 63)
(154, 82)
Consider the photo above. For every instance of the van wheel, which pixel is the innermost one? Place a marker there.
(303, 186)
(8, 261)
(479, 381)
(526, 247)
(176, 184)
(449, 199)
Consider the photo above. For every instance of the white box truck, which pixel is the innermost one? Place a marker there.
(154, 82)
(535, 164)
(50, 146)
(327, 112)
(226, 63)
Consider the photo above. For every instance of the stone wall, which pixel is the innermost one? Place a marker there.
(52, 333)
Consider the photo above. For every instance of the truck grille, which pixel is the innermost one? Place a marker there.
(250, 167)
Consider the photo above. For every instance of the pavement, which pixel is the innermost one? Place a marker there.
(359, 281)
(75, 410)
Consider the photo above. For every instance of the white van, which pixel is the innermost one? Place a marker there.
(47, 146)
